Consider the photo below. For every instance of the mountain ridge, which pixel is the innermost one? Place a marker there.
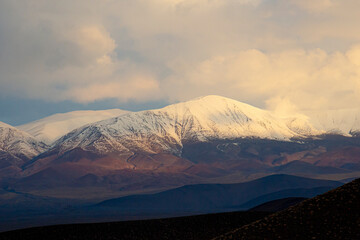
(207, 137)
(210, 117)
(51, 128)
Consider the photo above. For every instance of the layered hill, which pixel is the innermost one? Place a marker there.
(24, 209)
(333, 215)
(55, 126)
(208, 139)
(202, 198)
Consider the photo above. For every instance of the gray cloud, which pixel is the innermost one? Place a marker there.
(265, 53)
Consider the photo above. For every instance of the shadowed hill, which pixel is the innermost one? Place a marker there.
(287, 193)
(212, 197)
(189, 228)
(277, 205)
(333, 215)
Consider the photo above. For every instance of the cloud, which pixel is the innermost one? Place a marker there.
(354, 55)
(302, 53)
(137, 87)
(282, 106)
(51, 57)
(314, 6)
(94, 42)
(312, 79)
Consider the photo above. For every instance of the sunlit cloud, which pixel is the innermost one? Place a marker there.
(311, 79)
(294, 54)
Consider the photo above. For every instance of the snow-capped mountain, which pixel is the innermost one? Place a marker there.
(16, 146)
(166, 129)
(53, 127)
(203, 138)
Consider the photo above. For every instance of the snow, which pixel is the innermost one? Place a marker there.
(19, 143)
(166, 129)
(53, 127)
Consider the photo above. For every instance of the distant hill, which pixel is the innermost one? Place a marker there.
(333, 215)
(28, 210)
(295, 192)
(213, 197)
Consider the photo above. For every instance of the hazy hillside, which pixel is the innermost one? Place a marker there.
(216, 197)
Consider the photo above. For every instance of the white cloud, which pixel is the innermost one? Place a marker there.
(311, 79)
(302, 53)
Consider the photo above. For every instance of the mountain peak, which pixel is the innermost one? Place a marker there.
(212, 98)
(216, 100)
(214, 107)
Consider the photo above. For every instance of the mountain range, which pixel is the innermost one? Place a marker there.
(215, 116)
(99, 155)
(210, 139)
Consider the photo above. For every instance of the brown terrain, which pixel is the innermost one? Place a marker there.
(81, 173)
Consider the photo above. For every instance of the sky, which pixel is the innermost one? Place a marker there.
(281, 55)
